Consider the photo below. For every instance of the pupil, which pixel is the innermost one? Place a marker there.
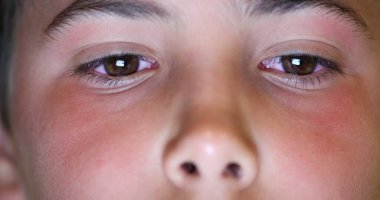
(300, 65)
(122, 65)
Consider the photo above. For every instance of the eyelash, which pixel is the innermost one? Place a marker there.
(104, 80)
(320, 77)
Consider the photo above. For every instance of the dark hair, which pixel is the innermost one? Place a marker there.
(7, 26)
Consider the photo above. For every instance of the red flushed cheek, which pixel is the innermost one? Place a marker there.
(84, 134)
(328, 142)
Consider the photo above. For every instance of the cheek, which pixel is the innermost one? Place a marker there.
(82, 142)
(327, 144)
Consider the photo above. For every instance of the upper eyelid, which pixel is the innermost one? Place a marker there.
(93, 64)
(102, 50)
(300, 47)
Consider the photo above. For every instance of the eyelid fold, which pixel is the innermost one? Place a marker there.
(92, 52)
(301, 47)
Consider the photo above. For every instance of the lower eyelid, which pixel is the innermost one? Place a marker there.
(105, 85)
(319, 80)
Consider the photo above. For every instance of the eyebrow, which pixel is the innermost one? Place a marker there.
(133, 9)
(280, 7)
(137, 9)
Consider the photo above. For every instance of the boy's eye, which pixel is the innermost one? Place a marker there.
(300, 71)
(120, 71)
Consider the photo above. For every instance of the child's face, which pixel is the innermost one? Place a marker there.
(197, 99)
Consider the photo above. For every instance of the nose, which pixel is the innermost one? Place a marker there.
(211, 146)
(212, 151)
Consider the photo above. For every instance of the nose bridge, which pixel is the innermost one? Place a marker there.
(212, 146)
(212, 81)
(211, 97)
(211, 64)
(212, 92)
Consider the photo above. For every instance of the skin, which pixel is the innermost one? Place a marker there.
(207, 103)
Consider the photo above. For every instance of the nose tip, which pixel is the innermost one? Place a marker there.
(211, 161)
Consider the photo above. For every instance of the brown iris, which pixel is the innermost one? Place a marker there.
(122, 65)
(300, 65)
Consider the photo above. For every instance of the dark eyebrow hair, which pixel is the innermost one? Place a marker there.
(279, 7)
(126, 8)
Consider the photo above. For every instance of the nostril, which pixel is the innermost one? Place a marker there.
(233, 170)
(190, 168)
